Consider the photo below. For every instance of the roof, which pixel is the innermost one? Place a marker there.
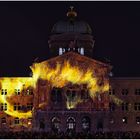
(76, 59)
(75, 26)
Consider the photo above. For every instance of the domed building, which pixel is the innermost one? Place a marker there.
(72, 30)
(75, 98)
(71, 91)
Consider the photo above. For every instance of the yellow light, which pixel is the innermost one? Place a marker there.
(64, 73)
(29, 123)
(11, 84)
(59, 75)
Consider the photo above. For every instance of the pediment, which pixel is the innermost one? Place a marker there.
(76, 59)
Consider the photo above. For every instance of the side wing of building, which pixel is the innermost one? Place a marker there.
(124, 113)
(16, 103)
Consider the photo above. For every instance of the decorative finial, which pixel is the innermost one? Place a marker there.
(71, 8)
(71, 13)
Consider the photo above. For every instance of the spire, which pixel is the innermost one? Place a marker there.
(71, 13)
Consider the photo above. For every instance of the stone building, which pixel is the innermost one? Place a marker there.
(70, 91)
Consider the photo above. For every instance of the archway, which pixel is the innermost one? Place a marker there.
(42, 124)
(55, 124)
(86, 124)
(100, 124)
(71, 124)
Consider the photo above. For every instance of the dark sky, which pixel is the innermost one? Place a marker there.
(25, 28)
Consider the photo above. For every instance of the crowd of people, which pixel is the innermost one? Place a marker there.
(72, 135)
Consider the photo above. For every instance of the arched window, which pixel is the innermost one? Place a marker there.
(100, 124)
(86, 123)
(42, 124)
(55, 124)
(71, 123)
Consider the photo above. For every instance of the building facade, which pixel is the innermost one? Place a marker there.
(70, 91)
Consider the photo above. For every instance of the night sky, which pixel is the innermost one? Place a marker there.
(25, 28)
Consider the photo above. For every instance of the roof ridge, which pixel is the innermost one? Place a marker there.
(74, 53)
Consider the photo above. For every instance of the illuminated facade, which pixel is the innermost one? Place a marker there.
(70, 91)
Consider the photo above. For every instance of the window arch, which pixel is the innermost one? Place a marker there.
(71, 123)
(42, 124)
(86, 123)
(55, 121)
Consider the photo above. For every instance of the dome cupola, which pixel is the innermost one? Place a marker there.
(71, 25)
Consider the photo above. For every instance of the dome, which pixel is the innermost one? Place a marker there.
(68, 26)
(71, 25)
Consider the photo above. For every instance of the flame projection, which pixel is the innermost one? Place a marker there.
(11, 84)
(59, 75)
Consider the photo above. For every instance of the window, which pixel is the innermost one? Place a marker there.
(29, 106)
(29, 92)
(71, 123)
(112, 106)
(29, 121)
(124, 120)
(4, 92)
(111, 91)
(60, 51)
(124, 91)
(84, 94)
(86, 123)
(125, 106)
(63, 50)
(53, 94)
(71, 95)
(3, 120)
(17, 91)
(42, 123)
(3, 106)
(99, 97)
(137, 106)
(82, 51)
(55, 124)
(56, 95)
(112, 121)
(16, 121)
(17, 106)
(137, 120)
(137, 91)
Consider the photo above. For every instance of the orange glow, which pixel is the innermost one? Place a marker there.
(59, 75)
(11, 84)
(64, 73)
